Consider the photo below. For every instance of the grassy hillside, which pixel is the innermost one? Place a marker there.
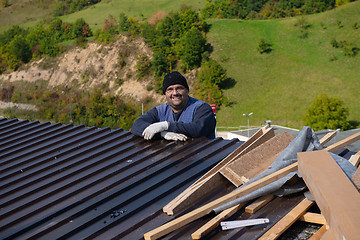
(281, 85)
(278, 86)
(94, 16)
(22, 11)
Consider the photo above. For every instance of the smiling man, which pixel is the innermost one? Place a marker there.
(181, 117)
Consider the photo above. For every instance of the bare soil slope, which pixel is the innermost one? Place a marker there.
(93, 66)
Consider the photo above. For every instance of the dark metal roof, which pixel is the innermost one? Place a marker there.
(75, 182)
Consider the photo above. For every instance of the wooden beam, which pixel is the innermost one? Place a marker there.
(334, 193)
(355, 160)
(313, 218)
(325, 139)
(319, 233)
(357, 154)
(329, 235)
(259, 203)
(211, 180)
(281, 226)
(356, 178)
(213, 223)
(206, 209)
(343, 143)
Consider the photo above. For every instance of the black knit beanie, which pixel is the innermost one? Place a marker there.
(174, 78)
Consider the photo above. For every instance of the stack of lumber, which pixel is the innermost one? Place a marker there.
(335, 195)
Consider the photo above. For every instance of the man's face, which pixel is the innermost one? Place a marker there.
(177, 96)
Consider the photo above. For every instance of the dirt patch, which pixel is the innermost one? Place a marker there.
(92, 67)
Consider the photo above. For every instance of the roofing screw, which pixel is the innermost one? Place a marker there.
(117, 213)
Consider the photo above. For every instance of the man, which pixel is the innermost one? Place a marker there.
(181, 117)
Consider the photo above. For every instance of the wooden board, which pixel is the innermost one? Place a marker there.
(212, 179)
(329, 235)
(257, 160)
(355, 160)
(313, 218)
(325, 139)
(356, 179)
(334, 193)
(206, 209)
(319, 233)
(343, 143)
(281, 226)
(259, 203)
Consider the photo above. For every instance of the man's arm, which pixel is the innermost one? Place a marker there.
(203, 125)
(144, 121)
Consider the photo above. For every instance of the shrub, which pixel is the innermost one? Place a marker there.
(264, 47)
(143, 66)
(124, 24)
(327, 113)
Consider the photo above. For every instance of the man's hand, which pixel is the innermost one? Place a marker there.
(173, 136)
(154, 128)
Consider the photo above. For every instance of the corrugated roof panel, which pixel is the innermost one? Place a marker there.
(74, 182)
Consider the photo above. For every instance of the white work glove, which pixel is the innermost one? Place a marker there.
(154, 128)
(173, 136)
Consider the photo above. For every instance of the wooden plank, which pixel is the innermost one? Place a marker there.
(356, 178)
(257, 160)
(313, 218)
(319, 233)
(259, 203)
(325, 139)
(281, 226)
(343, 143)
(355, 159)
(213, 223)
(261, 136)
(334, 193)
(233, 177)
(206, 209)
(330, 235)
(210, 180)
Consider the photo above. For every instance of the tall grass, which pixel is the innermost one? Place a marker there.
(280, 86)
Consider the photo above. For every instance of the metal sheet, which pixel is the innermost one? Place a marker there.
(74, 182)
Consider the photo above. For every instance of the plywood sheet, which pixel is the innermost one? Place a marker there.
(334, 193)
(257, 160)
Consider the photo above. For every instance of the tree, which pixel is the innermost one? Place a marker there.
(212, 71)
(327, 113)
(8, 35)
(81, 29)
(193, 45)
(20, 49)
(210, 80)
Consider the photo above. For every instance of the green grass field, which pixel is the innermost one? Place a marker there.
(280, 86)
(94, 15)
